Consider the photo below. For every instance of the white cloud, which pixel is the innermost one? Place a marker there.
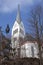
(11, 5)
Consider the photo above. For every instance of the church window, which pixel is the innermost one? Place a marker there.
(22, 31)
(32, 49)
(15, 31)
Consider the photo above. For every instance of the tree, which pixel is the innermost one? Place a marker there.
(7, 29)
(36, 26)
(0, 38)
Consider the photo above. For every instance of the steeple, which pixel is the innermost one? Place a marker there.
(18, 33)
(18, 30)
(18, 18)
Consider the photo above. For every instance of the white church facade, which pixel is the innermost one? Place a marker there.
(22, 49)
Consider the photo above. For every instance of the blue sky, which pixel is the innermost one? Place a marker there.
(8, 11)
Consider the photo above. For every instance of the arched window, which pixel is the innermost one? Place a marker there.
(15, 31)
(22, 31)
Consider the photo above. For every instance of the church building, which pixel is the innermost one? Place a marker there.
(23, 48)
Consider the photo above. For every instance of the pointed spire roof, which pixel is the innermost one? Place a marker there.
(18, 18)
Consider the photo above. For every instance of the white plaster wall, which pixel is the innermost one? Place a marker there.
(27, 52)
(18, 26)
(18, 34)
(15, 26)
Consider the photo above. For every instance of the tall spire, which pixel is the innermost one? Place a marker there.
(18, 15)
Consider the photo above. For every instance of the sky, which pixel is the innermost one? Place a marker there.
(8, 11)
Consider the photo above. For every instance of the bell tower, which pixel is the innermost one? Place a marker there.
(18, 31)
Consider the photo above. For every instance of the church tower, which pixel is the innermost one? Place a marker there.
(18, 31)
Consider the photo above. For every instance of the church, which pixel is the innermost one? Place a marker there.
(21, 47)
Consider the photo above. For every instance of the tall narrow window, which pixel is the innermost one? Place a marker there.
(32, 49)
(21, 31)
(15, 31)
